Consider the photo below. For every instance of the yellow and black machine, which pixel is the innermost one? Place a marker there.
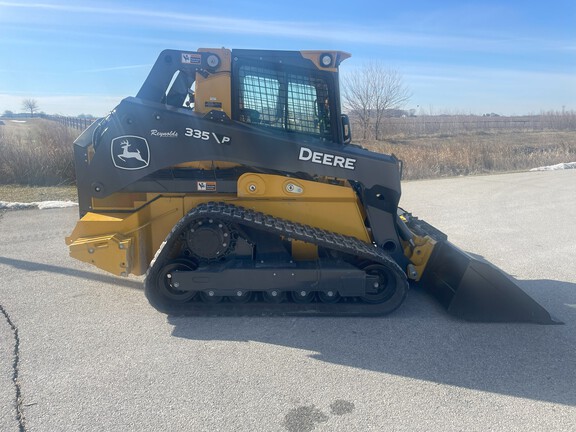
(231, 182)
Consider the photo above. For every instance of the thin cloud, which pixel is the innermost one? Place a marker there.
(117, 68)
(295, 30)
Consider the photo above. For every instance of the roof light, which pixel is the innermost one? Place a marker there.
(325, 60)
(213, 61)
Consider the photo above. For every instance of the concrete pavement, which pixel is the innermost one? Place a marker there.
(94, 356)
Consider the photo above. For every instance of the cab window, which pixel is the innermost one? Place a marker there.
(273, 98)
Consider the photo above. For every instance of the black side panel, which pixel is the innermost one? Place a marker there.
(140, 138)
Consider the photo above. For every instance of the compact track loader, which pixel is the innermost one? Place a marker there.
(231, 182)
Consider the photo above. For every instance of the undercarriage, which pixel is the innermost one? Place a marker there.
(240, 260)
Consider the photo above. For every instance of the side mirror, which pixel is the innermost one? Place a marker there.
(346, 129)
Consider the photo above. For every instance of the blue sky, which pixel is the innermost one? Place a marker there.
(508, 57)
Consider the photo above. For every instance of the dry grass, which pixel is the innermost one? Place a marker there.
(37, 152)
(480, 152)
(27, 194)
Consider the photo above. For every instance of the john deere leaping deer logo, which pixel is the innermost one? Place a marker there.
(130, 152)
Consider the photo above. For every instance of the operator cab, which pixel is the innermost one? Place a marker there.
(292, 92)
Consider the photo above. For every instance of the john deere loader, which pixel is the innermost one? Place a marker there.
(230, 182)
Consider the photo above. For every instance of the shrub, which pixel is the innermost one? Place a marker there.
(37, 153)
(429, 156)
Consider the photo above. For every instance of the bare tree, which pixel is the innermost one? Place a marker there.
(30, 105)
(370, 92)
(357, 98)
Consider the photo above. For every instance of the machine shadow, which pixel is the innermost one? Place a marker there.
(421, 341)
(81, 274)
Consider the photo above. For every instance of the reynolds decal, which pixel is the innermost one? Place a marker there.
(171, 134)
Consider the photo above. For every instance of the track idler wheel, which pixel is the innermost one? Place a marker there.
(274, 296)
(328, 296)
(303, 296)
(210, 297)
(242, 297)
(388, 288)
(164, 281)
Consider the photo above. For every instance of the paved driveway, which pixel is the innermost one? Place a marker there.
(92, 355)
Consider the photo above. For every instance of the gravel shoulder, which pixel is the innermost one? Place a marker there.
(25, 194)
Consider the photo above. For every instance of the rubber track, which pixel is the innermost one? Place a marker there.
(281, 227)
